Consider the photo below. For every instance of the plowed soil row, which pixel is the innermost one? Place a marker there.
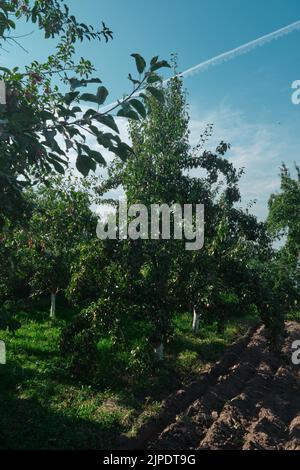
(249, 400)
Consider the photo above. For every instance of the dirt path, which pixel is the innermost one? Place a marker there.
(249, 400)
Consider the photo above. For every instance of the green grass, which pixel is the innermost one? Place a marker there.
(294, 316)
(42, 408)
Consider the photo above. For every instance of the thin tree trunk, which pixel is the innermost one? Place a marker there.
(159, 351)
(2, 353)
(196, 318)
(52, 309)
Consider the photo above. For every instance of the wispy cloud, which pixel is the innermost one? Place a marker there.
(257, 147)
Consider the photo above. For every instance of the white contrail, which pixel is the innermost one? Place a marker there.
(225, 56)
(241, 49)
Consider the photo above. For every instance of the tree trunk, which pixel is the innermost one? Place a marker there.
(2, 353)
(159, 351)
(196, 318)
(52, 309)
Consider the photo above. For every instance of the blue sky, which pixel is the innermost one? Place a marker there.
(248, 98)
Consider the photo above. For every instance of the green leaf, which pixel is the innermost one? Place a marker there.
(135, 82)
(75, 83)
(85, 164)
(138, 106)
(153, 78)
(108, 121)
(154, 60)
(102, 94)
(99, 98)
(69, 97)
(11, 24)
(97, 156)
(158, 94)
(128, 113)
(52, 157)
(159, 65)
(51, 143)
(69, 144)
(76, 110)
(92, 80)
(102, 139)
(4, 69)
(123, 151)
(140, 62)
(46, 115)
(58, 167)
(89, 113)
(89, 97)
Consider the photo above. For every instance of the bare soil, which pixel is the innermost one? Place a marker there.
(249, 400)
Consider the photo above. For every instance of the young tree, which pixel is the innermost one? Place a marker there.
(159, 173)
(61, 219)
(153, 174)
(284, 211)
(8, 281)
(283, 220)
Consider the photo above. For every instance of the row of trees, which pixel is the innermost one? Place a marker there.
(128, 290)
(40, 124)
(145, 282)
(236, 271)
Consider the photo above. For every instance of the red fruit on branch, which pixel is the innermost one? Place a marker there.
(36, 78)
